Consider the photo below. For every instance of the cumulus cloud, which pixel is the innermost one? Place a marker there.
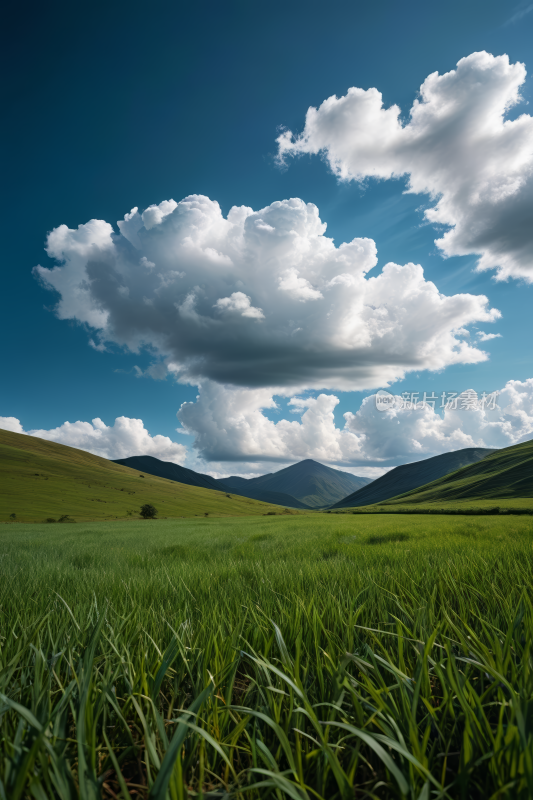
(229, 424)
(257, 299)
(127, 437)
(458, 147)
(417, 430)
(11, 424)
(240, 303)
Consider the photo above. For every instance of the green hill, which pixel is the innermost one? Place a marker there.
(411, 476)
(506, 475)
(42, 479)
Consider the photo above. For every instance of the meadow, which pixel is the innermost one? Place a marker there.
(301, 656)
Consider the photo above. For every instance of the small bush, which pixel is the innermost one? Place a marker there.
(65, 518)
(12, 516)
(51, 519)
(228, 495)
(148, 511)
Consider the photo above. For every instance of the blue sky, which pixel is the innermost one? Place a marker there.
(111, 106)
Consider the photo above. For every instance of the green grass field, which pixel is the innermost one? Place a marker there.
(43, 480)
(518, 505)
(305, 656)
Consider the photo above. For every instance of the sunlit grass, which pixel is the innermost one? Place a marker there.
(308, 656)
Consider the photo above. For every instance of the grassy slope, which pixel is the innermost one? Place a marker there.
(411, 476)
(43, 479)
(504, 478)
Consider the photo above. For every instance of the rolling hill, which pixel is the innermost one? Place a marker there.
(173, 472)
(42, 479)
(504, 475)
(412, 476)
(308, 481)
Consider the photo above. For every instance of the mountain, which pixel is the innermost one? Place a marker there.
(505, 475)
(310, 482)
(411, 476)
(170, 471)
(42, 479)
(305, 485)
(173, 472)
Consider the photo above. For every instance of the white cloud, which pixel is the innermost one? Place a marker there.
(457, 147)
(229, 425)
(11, 424)
(218, 277)
(127, 437)
(240, 303)
(154, 215)
(486, 337)
(297, 287)
(402, 433)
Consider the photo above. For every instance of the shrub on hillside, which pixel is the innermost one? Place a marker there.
(148, 511)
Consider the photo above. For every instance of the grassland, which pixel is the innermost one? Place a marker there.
(43, 480)
(516, 505)
(312, 656)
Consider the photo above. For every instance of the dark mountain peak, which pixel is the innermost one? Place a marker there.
(307, 467)
(309, 481)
